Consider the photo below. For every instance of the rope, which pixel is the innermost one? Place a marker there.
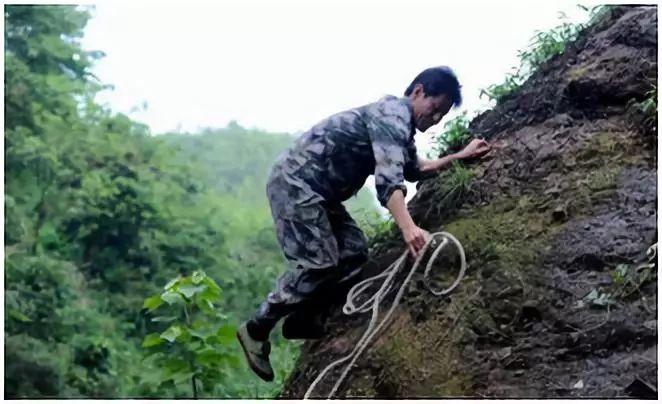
(372, 304)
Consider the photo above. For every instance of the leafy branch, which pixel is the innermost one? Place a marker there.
(195, 345)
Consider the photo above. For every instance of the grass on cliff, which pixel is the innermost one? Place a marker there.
(542, 47)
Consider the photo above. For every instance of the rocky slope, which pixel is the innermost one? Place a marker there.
(556, 224)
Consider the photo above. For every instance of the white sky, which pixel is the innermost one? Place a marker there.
(283, 65)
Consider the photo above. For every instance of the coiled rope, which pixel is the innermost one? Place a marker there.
(375, 300)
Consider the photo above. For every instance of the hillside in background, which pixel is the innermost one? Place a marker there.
(235, 162)
(103, 220)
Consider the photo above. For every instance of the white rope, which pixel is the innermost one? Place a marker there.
(372, 304)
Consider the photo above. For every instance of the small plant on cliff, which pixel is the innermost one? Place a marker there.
(460, 177)
(452, 188)
(645, 111)
(375, 226)
(648, 106)
(497, 92)
(628, 279)
(454, 137)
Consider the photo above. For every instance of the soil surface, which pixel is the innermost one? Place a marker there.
(559, 299)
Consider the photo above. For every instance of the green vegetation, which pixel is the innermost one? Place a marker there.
(450, 190)
(542, 47)
(647, 108)
(194, 347)
(454, 137)
(628, 279)
(99, 215)
(375, 226)
(649, 105)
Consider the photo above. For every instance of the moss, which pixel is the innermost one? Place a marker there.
(609, 149)
(600, 160)
(607, 142)
(415, 364)
(593, 187)
(505, 229)
(602, 179)
(577, 73)
(361, 387)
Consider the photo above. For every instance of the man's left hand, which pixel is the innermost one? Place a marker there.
(476, 148)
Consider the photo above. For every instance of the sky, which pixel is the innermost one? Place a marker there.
(284, 65)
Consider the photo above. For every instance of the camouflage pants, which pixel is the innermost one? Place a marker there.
(321, 242)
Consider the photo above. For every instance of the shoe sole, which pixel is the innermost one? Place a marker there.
(264, 376)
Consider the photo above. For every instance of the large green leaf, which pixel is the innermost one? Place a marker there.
(164, 319)
(172, 297)
(211, 294)
(203, 304)
(172, 333)
(212, 286)
(18, 315)
(201, 334)
(153, 302)
(190, 290)
(194, 345)
(150, 340)
(172, 283)
(197, 277)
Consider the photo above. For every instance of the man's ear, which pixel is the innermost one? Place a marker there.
(418, 91)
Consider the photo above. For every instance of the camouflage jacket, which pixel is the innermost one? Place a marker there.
(335, 157)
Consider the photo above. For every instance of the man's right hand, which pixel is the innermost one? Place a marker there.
(415, 237)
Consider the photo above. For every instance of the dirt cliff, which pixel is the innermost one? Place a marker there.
(556, 224)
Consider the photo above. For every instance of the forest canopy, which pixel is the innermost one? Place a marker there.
(100, 215)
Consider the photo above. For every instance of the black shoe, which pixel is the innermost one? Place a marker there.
(303, 325)
(257, 354)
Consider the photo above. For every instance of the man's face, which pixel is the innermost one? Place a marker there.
(428, 110)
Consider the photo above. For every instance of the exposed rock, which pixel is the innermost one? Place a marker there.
(554, 225)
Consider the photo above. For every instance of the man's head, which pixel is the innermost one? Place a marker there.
(433, 92)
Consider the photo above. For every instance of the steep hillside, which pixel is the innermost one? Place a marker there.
(556, 224)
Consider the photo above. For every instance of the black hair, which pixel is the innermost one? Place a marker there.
(436, 81)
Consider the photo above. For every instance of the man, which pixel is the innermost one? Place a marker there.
(327, 165)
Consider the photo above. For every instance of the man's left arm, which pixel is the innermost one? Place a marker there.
(431, 166)
(477, 148)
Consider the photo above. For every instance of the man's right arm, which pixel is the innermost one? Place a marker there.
(389, 130)
(414, 236)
